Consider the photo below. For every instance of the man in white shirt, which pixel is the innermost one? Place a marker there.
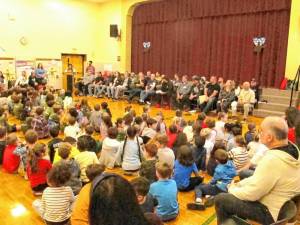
(246, 99)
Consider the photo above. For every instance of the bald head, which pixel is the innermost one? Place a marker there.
(273, 130)
(246, 85)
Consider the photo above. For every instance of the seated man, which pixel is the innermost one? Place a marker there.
(162, 89)
(138, 84)
(246, 99)
(183, 93)
(123, 86)
(84, 83)
(149, 89)
(92, 88)
(196, 91)
(211, 93)
(276, 179)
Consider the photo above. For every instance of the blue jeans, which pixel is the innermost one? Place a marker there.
(206, 189)
(207, 106)
(145, 94)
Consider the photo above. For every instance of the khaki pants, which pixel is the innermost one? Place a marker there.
(235, 106)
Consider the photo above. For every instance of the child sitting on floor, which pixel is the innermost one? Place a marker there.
(95, 118)
(11, 161)
(130, 154)
(37, 168)
(150, 131)
(2, 142)
(56, 203)
(110, 148)
(40, 124)
(224, 173)
(146, 201)
(165, 191)
(74, 182)
(74, 150)
(250, 134)
(164, 153)
(105, 108)
(183, 168)
(219, 125)
(72, 130)
(82, 203)
(147, 169)
(84, 158)
(239, 154)
(54, 142)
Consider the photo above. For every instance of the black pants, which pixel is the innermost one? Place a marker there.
(40, 188)
(194, 181)
(228, 205)
(70, 83)
(184, 103)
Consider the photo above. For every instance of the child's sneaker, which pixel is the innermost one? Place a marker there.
(198, 205)
(210, 201)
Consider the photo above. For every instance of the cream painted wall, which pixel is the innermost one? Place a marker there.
(51, 27)
(293, 53)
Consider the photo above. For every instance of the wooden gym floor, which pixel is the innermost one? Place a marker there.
(16, 197)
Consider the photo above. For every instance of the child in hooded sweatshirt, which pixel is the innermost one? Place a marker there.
(224, 173)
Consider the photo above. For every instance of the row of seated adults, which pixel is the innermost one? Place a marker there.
(194, 94)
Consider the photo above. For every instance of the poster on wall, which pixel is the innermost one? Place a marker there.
(8, 68)
(53, 69)
(24, 65)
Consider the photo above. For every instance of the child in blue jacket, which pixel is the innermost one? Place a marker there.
(223, 175)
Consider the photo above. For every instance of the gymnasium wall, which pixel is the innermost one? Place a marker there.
(53, 27)
(293, 53)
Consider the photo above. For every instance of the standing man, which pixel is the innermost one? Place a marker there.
(276, 179)
(90, 69)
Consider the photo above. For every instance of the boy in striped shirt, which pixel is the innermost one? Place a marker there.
(57, 199)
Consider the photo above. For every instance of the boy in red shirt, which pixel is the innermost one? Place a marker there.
(10, 160)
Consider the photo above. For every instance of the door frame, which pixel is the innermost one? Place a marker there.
(77, 54)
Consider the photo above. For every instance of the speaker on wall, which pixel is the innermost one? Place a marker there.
(114, 30)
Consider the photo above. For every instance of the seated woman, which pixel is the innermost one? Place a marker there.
(226, 96)
(40, 74)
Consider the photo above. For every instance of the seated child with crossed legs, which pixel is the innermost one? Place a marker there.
(224, 173)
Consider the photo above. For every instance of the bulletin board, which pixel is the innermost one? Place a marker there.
(8, 68)
(24, 65)
(53, 69)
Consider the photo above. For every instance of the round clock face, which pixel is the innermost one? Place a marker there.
(23, 40)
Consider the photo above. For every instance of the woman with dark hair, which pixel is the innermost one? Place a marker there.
(113, 201)
(291, 115)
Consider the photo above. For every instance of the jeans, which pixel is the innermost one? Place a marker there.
(92, 87)
(245, 174)
(110, 91)
(207, 106)
(134, 92)
(145, 94)
(100, 89)
(194, 181)
(206, 189)
(227, 205)
(118, 90)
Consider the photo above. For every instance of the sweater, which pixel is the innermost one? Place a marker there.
(275, 181)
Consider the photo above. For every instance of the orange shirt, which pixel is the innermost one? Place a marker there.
(80, 214)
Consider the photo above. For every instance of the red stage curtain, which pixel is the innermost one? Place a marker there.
(212, 37)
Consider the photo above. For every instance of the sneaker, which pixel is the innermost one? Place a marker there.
(37, 193)
(196, 206)
(210, 201)
(148, 103)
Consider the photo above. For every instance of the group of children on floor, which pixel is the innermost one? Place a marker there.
(164, 157)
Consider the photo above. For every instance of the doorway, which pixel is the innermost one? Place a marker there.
(77, 60)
